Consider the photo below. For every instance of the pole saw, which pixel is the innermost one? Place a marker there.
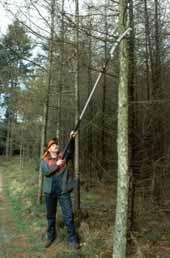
(112, 51)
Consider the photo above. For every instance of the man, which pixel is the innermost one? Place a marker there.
(57, 186)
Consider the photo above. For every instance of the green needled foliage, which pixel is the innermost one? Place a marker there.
(15, 51)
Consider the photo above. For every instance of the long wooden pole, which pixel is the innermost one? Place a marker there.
(112, 51)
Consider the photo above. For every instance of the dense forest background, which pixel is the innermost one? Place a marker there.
(50, 57)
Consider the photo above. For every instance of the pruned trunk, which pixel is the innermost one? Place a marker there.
(132, 122)
(76, 160)
(120, 230)
(90, 133)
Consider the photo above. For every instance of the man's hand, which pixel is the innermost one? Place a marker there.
(73, 134)
(60, 162)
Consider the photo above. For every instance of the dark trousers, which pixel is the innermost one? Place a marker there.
(66, 206)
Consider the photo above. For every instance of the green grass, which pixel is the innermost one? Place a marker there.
(21, 191)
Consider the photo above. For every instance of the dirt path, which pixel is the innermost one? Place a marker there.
(12, 244)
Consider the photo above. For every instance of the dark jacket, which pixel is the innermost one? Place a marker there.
(63, 176)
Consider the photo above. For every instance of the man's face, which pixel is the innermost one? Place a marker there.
(54, 148)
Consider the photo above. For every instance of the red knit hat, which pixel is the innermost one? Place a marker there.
(50, 143)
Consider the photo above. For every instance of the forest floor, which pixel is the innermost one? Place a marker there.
(23, 222)
(12, 244)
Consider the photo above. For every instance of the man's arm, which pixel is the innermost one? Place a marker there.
(48, 170)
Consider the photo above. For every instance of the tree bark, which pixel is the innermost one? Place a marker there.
(157, 77)
(76, 159)
(90, 133)
(120, 231)
(132, 121)
(46, 107)
(103, 143)
(43, 137)
(149, 50)
(148, 91)
(8, 137)
(61, 73)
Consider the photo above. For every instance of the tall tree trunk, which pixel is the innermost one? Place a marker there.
(120, 232)
(132, 121)
(158, 132)
(10, 123)
(90, 134)
(61, 73)
(43, 137)
(147, 78)
(50, 59)
(103, 143)
(8, 137)
(157, 77)
(21, 146)
(46, 106)
(149, 49)
(76, 160)
(11, 137)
